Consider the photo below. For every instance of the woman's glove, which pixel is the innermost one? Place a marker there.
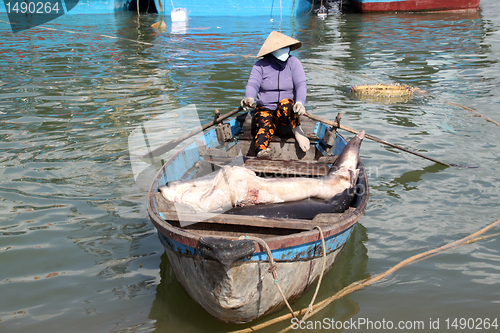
(299, 108)
(247, 102)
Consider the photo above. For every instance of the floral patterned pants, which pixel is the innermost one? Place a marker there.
(267, 120)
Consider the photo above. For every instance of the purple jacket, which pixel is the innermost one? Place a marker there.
(272, 80)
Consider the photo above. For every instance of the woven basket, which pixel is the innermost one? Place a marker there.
(384, 90)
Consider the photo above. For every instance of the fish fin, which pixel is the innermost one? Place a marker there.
(354, 177)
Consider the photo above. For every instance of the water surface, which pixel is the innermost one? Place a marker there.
(77, 250)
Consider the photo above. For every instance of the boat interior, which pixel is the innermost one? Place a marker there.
(286, 160)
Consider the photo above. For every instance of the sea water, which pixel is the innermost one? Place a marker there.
(77, 250)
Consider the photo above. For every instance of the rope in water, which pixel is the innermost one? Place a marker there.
(310, 307)
(472, 110)
(366, 282)
(312, 7)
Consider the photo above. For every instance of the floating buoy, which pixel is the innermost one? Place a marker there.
(159, 25)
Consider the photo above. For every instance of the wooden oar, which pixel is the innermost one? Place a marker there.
(371, 137)
(172, 144)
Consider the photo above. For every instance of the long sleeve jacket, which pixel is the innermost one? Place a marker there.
(272, 80)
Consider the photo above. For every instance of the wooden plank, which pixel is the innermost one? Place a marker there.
(328, 219)
(241, 220)
(236, 234)
(281, 167)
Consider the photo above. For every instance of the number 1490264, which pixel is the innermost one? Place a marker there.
(472, 323)
(32, 7)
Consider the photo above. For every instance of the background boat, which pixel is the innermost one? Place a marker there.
(414, 5)
(285, 8)
(271, 8)
(87, 6)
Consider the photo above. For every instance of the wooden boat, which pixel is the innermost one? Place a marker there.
(225, 273)
(270, 8)
(415, 5)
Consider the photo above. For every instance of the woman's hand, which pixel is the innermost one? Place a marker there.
(299, 108)
(247, 102)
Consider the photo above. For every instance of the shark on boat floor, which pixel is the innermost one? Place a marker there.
(236, 186)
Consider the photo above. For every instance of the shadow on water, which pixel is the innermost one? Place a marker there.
(174, 310)
(409, 179)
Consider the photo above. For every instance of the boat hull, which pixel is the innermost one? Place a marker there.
(415, 5)
(245, 290)
(237, 7)
(100, 6)
(89, 6)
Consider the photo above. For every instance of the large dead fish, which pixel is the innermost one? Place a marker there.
(234, 186)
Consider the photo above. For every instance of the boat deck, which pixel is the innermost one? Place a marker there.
(287, 160)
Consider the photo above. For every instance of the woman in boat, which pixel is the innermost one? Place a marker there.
(279, 83)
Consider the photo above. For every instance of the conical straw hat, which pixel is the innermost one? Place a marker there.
(275, 41)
